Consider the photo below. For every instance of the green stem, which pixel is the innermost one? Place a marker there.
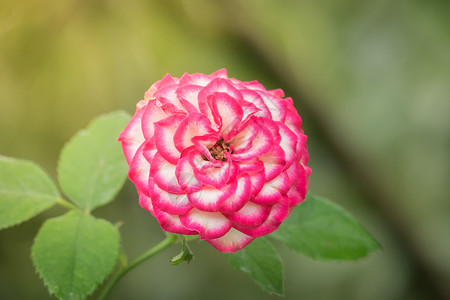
(66, 204)
(169, 240)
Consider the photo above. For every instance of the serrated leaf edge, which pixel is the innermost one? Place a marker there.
(39, 273)
(84, 132)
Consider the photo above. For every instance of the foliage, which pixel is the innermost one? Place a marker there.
(261, 262)
(25, 191)
(323, 230)
(75, 252)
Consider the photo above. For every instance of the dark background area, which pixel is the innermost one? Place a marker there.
(371, 80)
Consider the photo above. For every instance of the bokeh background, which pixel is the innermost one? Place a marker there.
(371, 80)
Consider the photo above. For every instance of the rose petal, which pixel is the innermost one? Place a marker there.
(193, 125)
(273, 191)
(257, 182)
(188, 97)
(232, 241)
(140, 171)
(288, 143)
(226, 111)
(132, 137)
(252, 85)
(276, 106)
(219, 85)
(163, 173)
(295, 197)
(195, 79)
(200, 162)
(211, 199)
(171, 223)
(219, 73)
(274, 162)
(269, 195)
(149, 150)
(302, 149)
(152, 113)
(294, 122)
(277, 215)
(209, 225)
(251, 214)
(298, 177)
(272, 126)
(277, 93)
(145, 202)
(177, 204)
(294, 173)
(168, 94)
(210, 173)
(234, 172)
(216, 177)
(241, 195)
(302, 185)
(251, 165)
(254, 98)
(261, 143)
(165, 81)
(202, 143)
(186, 177)
(242, 141)
(164, 137)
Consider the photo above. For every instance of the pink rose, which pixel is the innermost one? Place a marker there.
(218, 157)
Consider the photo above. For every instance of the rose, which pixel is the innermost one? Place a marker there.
(218, 157)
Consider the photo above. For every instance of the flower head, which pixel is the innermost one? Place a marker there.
(218, 157)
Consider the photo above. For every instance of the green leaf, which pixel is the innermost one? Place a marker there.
(25, 191)
(92, 168)
(322, 230)
(74, 253)
(185, 254)
(261, 262)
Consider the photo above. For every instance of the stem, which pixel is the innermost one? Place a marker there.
(169, 240)
(66, 204)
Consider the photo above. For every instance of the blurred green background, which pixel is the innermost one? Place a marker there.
(371, 80)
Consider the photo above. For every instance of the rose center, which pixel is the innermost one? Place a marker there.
(218, 149)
